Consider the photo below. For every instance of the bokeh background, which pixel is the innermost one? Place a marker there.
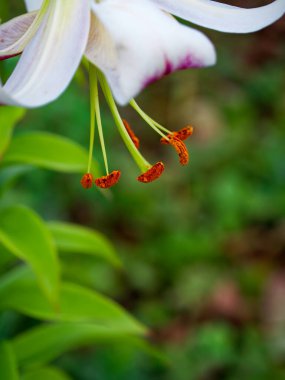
(204, 246)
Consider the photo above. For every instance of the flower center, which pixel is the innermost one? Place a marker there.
(149, 173)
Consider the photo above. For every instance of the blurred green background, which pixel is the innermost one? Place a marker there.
(204, 246)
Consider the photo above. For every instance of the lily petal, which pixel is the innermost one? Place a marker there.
(50, 60)
(16, 34)
(134, 44)
(33, 5)
(222, 17)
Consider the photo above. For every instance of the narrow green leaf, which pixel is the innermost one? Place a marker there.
(9, 116)
(19, 292)
(48, 373)
(45, 343)
(8, 363)
(25, 235)
(48, 151)
(71, 238)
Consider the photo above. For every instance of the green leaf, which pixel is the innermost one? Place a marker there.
(9, 175)
(48, 373)
(45, 343)
(48, 151)
(25, 235)
(19, 292)
(71, 238)
(8, 364)
(9, 117)
(6, 258)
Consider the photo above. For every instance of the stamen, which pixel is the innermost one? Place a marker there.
(99, 121)
(87, 181)
(109, 180)
(137, 156)
(131, 133)
(182, 134)
(152, 174)
(92, 81)
(148, 120)
(180, 148)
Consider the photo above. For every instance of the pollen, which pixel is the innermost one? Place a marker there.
(131, 133)
(180, 148)
(182, 134)
(152, 174)
(87, 181)
(109, 180)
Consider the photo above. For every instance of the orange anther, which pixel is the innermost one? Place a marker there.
(180, 148)
(87, 181)
(182, 134)
(152, 174)
(131, 133)
(109, 180)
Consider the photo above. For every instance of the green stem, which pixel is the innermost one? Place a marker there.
(139, 159)
(92, 80)
(99, 122)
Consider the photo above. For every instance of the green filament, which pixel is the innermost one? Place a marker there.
(152, 123)
(93, 80)
(99, 121)
(138, 158)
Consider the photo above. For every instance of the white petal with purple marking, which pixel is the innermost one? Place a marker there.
(223, 17)
(50, 60)
(134, 44)
(16, 34)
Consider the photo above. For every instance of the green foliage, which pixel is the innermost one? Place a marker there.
(8, 364)
(43, 344)
(47, 373)
(25, 235)
(47, 151)
(19, 291)
(70, 238)
(35, 288)
(9, 116)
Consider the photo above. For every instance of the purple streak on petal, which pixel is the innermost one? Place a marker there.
(188, 62)
(168, 67)
(2, 58)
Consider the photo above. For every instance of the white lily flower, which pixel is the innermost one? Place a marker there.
(132, 42)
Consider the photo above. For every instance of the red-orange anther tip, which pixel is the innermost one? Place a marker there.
(131, 133)
(109, 180)
(185, 132)
(180, 148)
(152, 174)
(182, 134)
(87, 181)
